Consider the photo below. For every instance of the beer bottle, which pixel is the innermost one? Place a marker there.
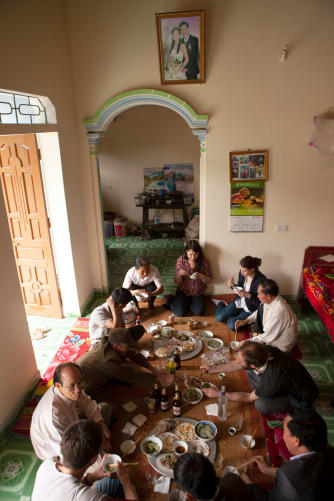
(138, 320)
(177, 359)
(176, 390)
(177, 409)
(156, 395)
(164, 402)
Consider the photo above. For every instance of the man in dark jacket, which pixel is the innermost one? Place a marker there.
(191, 43)
(308, 474)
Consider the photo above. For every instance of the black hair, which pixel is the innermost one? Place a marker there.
(182, 23)
(176, 28)
(58, 370)
(269, 286)
(81, 441)
(254, 353)
(121, 295)
(141, 261)
(195, 246)
(195, 474)
(250, 262)
(309, 427)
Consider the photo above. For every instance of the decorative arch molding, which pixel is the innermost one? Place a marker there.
(139, 97)
(96, 127)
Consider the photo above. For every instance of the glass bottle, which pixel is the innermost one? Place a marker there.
(177, 359)
(138, 320)
(177, 407)
(222, 406)
(156, 395)
(176, 390)
(171, 367)
(164, 402)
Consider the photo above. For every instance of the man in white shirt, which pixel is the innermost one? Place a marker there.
(144, 276)
(64, 403)
(109, 315)
(66, 479)
(279, 323)
(308, 474)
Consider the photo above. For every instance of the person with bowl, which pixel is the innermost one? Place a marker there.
(245, 301)
(67, 478)
(144, 276)
(193, 274)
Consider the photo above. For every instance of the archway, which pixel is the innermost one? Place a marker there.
(96, 127)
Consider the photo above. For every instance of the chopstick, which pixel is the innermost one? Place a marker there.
(235, 335)
(244, 464)
(113, 465)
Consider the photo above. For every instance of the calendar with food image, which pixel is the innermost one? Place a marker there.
(247, 199)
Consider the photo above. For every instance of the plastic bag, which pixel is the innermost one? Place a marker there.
(323, 133)
(216, 357)
(192, 230)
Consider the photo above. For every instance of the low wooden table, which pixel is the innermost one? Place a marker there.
(228, 447)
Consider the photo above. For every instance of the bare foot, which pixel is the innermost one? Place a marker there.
(38, 334)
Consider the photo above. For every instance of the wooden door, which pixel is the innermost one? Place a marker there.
(22, 187)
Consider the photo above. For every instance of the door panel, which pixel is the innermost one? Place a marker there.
(28, 223)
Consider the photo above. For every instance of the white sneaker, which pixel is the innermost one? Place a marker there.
(216, 301)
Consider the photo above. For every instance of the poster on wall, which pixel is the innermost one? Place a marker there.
(249, 165)
(246, 206)
(180, 177)
(153, 178)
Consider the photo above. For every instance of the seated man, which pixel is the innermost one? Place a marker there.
(107, 360)
(62, 404)
(277, 379)
(66, 479)
(196, 477)
(144, 276)
(109, 315)
(308, 474)
(275, 322)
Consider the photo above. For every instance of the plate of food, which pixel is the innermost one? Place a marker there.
(167, 331)
(182, 336)
(163, 351)
(141, 296)
(205, 430)
(188, 345)
(185, 430)
(215, 343)
(166, 462)
(186, 355)
(192, 395)
(236, 288)
(168, 439)
(200, 447)
(205, 335)
(193, 382)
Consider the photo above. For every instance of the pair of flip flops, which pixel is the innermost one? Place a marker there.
(39, 333)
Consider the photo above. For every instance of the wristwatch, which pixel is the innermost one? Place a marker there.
(85, 479)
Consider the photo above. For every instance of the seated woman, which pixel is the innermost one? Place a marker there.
(144, 276)
(193, 273)
(246, 300)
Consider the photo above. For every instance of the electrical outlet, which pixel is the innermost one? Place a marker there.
(281, 227)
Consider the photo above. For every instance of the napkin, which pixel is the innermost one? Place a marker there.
(129, 407)
(212, 409)
(139, 420)
(162, 485)
(129, 429)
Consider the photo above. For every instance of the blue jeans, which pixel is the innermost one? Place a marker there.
(230, 314)
(111, 487)
(183, 303)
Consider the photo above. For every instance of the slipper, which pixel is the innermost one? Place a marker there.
(217, 301)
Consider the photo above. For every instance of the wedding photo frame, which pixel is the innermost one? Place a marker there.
(249, 165)
(181, 47)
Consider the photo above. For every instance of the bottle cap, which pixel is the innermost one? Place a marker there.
(223, 389)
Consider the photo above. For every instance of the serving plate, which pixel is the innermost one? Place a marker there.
(184, 355)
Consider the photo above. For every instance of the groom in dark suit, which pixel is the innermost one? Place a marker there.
(308, 474)
(191, 42)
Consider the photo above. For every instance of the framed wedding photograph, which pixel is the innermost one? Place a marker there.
(181, 47)
(249, 165)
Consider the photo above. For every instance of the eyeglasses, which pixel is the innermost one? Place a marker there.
(73, 386)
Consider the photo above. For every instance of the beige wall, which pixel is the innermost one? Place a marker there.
(253, 100)
(134, 142)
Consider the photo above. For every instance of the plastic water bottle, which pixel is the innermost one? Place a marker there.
(222, 406)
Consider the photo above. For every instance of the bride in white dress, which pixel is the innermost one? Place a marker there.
(178, 57)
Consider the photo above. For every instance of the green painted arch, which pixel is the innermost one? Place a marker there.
(141, 97)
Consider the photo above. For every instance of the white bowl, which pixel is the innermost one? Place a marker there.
(110, 459)
(193, 276)
(219, 341)
(222, 375)
(247, 441)
(141, 296)
(192, 402)
(156, 440)
(213, 427)
(128, 447)
(204, 335)
(180, 443)
(237, 288)
(234, 345)
(229, 469)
